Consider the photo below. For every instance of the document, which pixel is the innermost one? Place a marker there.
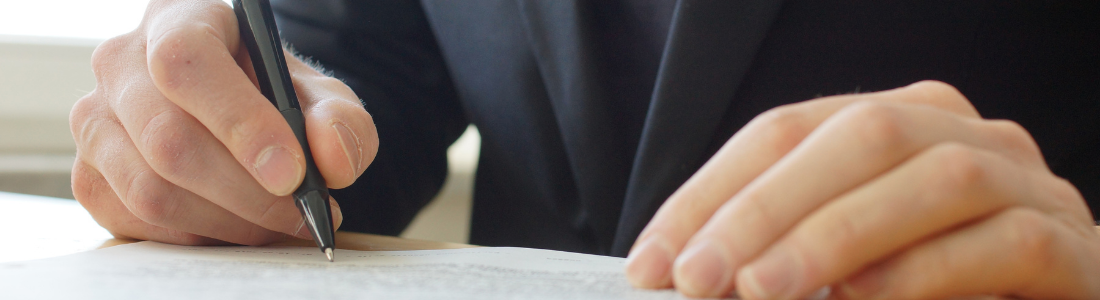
(149, 270)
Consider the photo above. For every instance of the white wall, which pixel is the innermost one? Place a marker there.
(40, 79)
(45, 52)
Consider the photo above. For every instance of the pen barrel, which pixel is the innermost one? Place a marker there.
(313, 180)
(260, 35)
(311, 197)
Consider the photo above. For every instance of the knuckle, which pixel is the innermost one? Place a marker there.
(174, 54)
(1065, 193)
(105, 56)
(169, 147)
(1014, 136)
(751, 215)
(1033, 238)
(809, 265)
(844, 237)
(105, 149)
(1064, 189)
(150, 199)
(878, 126)
(782, 128)
(83, 111)
(168, 56)
(85, 181)
(84, 107)
(1069, 206)
(94, 136)
(937, 87)
(241, 129)
(944, 95)
(957, 167)
(757, 213)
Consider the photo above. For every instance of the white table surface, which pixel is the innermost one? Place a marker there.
(34, 227)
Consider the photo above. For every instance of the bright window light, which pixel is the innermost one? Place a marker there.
(88, 19)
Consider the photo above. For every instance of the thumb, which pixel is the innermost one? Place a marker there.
(341, 133)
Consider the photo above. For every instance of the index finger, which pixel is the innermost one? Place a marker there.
(191, 61)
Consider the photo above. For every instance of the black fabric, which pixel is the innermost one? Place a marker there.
(565, 163)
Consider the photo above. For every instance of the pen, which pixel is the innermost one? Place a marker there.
(261, 37)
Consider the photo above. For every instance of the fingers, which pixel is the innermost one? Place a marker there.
(341, 133)
(93, 192)
(853, 146)
(947, 185)
(1018, 252)
(107, 149)
(182, 151)
(190, 61)
(745, 156)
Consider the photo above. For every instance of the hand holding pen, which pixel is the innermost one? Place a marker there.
(177, 144)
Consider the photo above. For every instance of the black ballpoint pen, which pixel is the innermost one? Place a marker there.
(261, 37)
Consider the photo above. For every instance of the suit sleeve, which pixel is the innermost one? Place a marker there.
(385, 51)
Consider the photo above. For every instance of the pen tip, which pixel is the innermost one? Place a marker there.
(328, 253)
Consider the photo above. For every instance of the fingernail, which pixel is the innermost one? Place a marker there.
(279, 170)
(865, 285)
(649, 264)
(770, 278)
(337, 214)
(703, 270)
(353, 148)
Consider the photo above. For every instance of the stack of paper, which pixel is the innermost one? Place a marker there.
(149, 270)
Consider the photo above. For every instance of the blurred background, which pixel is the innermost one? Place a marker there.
(45, 54)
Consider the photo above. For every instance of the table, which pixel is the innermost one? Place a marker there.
(36, 227)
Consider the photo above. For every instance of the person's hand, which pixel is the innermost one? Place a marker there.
(176, 144)
(902, 194)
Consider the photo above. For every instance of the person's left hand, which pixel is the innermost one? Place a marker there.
(902, 194)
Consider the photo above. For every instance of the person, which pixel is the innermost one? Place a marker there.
(764, 147)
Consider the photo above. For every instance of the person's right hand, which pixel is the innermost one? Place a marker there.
(176, 144)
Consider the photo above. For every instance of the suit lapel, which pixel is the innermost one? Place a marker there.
(710, 47)
(562, 40)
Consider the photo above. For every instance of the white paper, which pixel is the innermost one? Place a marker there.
(149, 270)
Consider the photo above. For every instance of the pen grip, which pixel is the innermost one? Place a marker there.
(313, 180)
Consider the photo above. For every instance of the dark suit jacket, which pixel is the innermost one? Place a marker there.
(556, 171)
